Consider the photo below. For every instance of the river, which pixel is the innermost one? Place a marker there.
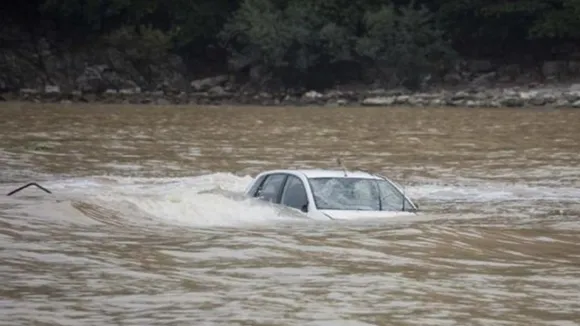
(145, 224)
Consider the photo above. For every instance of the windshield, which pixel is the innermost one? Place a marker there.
(357, 194)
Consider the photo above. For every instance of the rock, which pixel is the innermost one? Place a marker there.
(528, 95)
(379, 101)
(416, 100)
(509, 73)
(288, 98)
(471, 97)
(538, 101)
(205, 84)
(113, 83)
(130, 91)
(28, 91)
(479, 66)
(543, 100)
(51, 89)
(574, 67)
(512, 102)
(334, 94)
(91, 80)
(454, 103)
(561, 103)
(88, 98)
(312, 95)
(377, 91)
(217, 90)
(426, 81)
(571, 96)
(461, 95)
(402, 99)
(335, 103)
(162, 101)
(257, 72)
(549, 98)
(510, 92)
(452, 78)
(112, 79)
(554, 69)
(484, 80)
(437, 102)
(397, 91)
(529, 78)
(157, 93)
(472, 103)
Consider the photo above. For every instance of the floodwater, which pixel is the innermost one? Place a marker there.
(146, 226)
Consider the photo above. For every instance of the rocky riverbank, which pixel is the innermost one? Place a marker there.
(115, 76)
(530, 96)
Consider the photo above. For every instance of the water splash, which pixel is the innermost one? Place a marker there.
(218, 200)
(208, 200)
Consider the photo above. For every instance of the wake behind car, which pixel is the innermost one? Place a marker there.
(333, 194)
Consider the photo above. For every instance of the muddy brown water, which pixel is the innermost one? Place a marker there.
(145, 225)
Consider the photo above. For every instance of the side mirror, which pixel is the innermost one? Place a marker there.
(416, 206)
(304, 208)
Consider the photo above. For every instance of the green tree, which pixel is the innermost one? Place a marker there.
(404, 43)
(307, 43)
(562, 20)
(299, 39)
(281, 38)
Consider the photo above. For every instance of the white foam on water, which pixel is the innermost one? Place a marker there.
(492, 192)
(208, 200)
(217, 199)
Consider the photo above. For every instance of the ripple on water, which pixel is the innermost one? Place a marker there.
(139, 229)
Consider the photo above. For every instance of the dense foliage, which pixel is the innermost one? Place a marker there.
(306, 42)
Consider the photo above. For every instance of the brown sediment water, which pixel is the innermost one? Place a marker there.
(146, 224)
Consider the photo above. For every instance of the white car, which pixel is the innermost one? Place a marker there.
(333, 194)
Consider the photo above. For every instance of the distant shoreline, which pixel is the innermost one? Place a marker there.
(549, 96)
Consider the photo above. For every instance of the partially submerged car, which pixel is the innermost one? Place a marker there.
(333, 194)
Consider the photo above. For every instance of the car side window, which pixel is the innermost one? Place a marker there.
(391, 198)
(256, 185)
(271, 187)
(294, 193)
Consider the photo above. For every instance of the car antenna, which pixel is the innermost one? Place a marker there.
(339, 162)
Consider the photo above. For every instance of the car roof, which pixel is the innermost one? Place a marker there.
(326, 173)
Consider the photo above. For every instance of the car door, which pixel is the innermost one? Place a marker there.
(294, 194)
(271, 188)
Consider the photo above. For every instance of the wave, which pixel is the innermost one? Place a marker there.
(218, 200)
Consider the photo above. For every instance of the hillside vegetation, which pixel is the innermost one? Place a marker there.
(279, 43)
